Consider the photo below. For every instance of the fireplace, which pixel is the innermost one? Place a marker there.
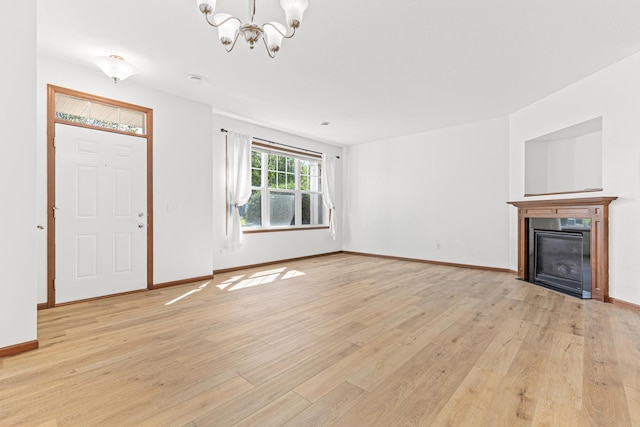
(560, 254)
(571, 216)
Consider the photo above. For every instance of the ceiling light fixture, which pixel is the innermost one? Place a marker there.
(115, 67)
(229, 27)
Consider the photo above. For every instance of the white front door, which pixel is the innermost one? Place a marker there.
(100, 215)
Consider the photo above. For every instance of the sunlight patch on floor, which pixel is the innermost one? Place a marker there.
(292, 273)
(257, 279)
(193, 291)
(222, 286)
(275, 271)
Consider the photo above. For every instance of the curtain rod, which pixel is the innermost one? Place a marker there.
(223, 130)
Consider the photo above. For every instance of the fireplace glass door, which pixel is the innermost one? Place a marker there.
(559, 260)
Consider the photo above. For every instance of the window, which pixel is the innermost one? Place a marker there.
(286, 191)
(73, 109)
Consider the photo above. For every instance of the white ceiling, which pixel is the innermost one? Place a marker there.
(374, 69)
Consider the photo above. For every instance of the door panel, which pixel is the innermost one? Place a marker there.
(101, 195)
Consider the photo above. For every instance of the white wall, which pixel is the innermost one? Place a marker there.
(614, 94)
(588, 161)
(18, 320)
(411, 196)
(266, 247)
(182, 177)
(536, 167)
(561, 167)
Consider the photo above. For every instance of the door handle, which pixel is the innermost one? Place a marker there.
(140, 225)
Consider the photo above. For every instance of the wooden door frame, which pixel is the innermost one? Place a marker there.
(51, 176)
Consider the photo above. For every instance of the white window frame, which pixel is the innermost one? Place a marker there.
(265, 192)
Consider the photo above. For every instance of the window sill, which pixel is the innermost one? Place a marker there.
(274, 230)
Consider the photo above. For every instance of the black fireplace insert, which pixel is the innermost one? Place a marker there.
(559, 255)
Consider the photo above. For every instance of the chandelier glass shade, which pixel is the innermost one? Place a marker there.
(271, 33)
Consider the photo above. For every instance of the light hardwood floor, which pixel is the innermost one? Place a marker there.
(342, 340)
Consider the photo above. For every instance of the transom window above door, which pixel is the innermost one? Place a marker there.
(77, 110)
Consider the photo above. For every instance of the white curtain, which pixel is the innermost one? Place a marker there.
(238, 184)
(329, 190)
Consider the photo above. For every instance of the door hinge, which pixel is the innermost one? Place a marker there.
(54, 283)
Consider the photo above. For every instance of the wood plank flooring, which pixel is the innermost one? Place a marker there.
(342, 340)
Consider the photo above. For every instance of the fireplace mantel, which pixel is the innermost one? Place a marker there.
(595, 208)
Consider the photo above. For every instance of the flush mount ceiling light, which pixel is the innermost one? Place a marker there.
(229, 27)
(115, 67)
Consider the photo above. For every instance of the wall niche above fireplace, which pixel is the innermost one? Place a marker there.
(595, 211)
(568, 160)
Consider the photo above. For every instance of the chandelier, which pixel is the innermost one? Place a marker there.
(229, 27)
